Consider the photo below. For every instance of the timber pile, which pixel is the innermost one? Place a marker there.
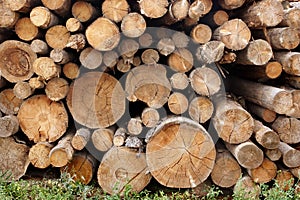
(81, 79)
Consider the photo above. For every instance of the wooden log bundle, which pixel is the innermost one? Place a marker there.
(82, 79)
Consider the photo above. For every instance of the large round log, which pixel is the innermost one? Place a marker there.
(180, 153)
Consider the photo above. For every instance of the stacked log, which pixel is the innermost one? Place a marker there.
(81, 79)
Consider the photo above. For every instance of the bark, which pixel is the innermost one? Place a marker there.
(261, 112)
(77, 42)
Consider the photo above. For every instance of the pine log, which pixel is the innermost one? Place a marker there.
(81, 138)
(231, 4)
(233, 123)
(247, 154)
(26, 30)
(17, 60)
(262, 73)
(9, 125)
(103, 138)
(178, 103)
(119, 137)
(22, 90)
(201, 109)
(291, 18)
(148, 84)
(36, 83)
(115, 10)
(273, 98)
(81, 168)
(8, 18)
(181, 60)
(9, 103)
(180, 153)
(150, 56)
(226, 171)
(178, 10)
(210, 52)
(247, 188)
(290, 155)
(285, 179)
(257, 16)
(74, 25)
(145, 40)
(121, 166)
(133, 25)
(57, 36)
(76, 41)
(46, 68)
(265, 136)
(60, 7)
(48, 123)
(61, 154)
(181, 40)
(273, 154)
(39, 47)
(90, 58)
(205, 81)
(179, 81)
(96, 100)
(261, 112)
(257, 52)
(84, 11)
(287, 129)
(234, 33)
(23, 6)
(153, 9)
(290, 62)
(39, 155)
(42, 17)
(166, 46)
(60, 56)
(110, 59)
(201, 33)
(266, 172)
(103, 39)
(199, 8)
(14, 158)
(150, 117)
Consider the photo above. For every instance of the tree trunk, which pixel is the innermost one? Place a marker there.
(48, 123)
(290, 156)
(266, 172)
(82, 167)
(96, 100)
(81, 138)
(201, 109)
(210, 52)
(123, 166)
(14, 158)
(178, 103)
(265, 136)
(205, 81)
(199, 8)
(133, 25)
(247, 154)
(234, 34)
(62, 153)
(46, 68)
(287, 129)
(283, 38)
(180, 153)
(115, 10)
(290, 62)
(39, 155)
(42, 17)
(226, 171)
(103, 139)
(258, 52)
(233, 124)
(178, 10)
(9, 103)
(84, 11)
(273, 98)
(257, 16)
(17, 61)
(57, 37)
(150, 117)
(148, 84)
(9, 125)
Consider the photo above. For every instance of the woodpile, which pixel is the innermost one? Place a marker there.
(125, 91)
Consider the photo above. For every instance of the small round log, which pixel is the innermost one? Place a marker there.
(115, 10)
(103, 139)
(150, 117)
(60, 7)
(165, 46)
(153, 9)
(273, 154)
(90, 58)
(290, 155)
(9, 103)
(9, 125)
(181, 60)
(134, 126)
(201, 33)
(201, 109)
(22, 90)
(210, 52)
(178, 103)
(57, 36)
(179, 81)
(46, 68)
(265, 136)
(266, 172)
(81, 138)
(84, 11)
(39, 155)
(39, 47)
(74, 25)
(133, 25)
(26, 30)
(71, 70)
(42, 17)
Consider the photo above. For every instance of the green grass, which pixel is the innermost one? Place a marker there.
(65, 188)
